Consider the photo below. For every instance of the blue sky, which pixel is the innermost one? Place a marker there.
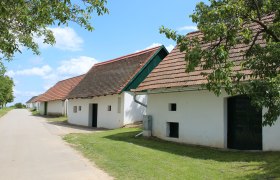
(131, 26)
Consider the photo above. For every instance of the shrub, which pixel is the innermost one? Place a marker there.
(19, 105)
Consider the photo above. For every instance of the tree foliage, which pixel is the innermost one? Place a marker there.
(6, 90)
(19, 105)
(224, 25)
(23, 20)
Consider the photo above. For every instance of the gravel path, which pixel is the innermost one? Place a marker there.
(30, 150)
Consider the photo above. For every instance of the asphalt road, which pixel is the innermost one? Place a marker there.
(30, 150)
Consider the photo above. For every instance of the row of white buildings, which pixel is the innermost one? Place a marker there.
(152, 82)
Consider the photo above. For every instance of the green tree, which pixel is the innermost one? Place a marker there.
(6, 90)
(224, 25)
(23, 20)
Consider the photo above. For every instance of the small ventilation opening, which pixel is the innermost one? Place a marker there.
(109, 108)
(173, 129)
(75, 109)
(172, 107)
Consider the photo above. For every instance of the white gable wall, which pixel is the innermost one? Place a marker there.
(41, 108)
(133, 112)
(202, 119)
(28, 105)
(33, 105)
(105, 119)
(37, 106)
(271, 137)
(55, 107)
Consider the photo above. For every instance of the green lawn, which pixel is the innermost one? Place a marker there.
(51, 118)
(123, 156)
(57, 119)
(5, 111)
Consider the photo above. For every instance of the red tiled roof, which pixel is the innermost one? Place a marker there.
(171, 70)
(110, 77)
(60, 90)
(36, 98)
(31, 99)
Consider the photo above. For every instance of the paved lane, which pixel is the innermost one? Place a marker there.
(29, 150)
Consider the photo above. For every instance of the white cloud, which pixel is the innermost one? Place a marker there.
(69, 68)
(66, 39)
(37, 60)
(188, 28)
(36, 71)
(10, 73)
(76, 66)
(153, 45)
(169, 47)
(66, 69)
(25, 93)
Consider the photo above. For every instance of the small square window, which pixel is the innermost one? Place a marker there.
(173, 129)
(109, 108)
(80, 108)
(75, 109)
(172, 107)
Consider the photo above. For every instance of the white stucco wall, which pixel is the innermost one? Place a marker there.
(202, 119)
(41, 108)
(132, 111)
(28, 105)
(65, 108)
(200, 116)
(55, 107)
(105, 119)
(33, 105)
(271, 137)
(37, 106)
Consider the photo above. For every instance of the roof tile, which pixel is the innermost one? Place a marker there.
(171, 70)
(110, 77)
(60, 90)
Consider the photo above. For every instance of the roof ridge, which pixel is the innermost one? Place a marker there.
(69, 78)
(127, 56)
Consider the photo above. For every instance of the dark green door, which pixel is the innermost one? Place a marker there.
(46, 108)
(94, 115)
(244, 124)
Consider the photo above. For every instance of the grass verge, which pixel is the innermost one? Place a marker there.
(50, 118)
(57, 119)
(5, 111)
(125, 157)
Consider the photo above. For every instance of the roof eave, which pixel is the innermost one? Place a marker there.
(144, 66)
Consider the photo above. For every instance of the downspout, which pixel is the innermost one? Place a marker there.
(142, 104)
(138, 102)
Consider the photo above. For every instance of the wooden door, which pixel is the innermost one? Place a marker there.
(244, 124)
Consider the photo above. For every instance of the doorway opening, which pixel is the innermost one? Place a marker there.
(244, 124)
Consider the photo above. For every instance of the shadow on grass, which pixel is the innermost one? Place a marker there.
(269, 162)
(66, 124)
